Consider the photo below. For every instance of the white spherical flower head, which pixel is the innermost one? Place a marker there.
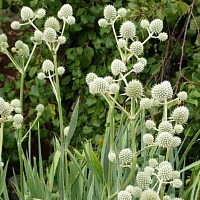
(138, 67)
(70, 20)
(150, 124)
(149, 170)
(90, 77)
(121, 43)
(136, 48)
(66, 131)
(49, 35)
(103, 22)
(159, 92)
(98, 85)
(117, 67)
(19, 44)
(18, 110)
(40, 109)
(156, 26)
(145, 103)
(40, 13)
(15, 25)
(175, 174)
(127, 30)
(124, 195)
(122, 12)
(178, 128)
(143, 61)
(165, 171)
(114, 88)
(41, 76)
(47, 66)
(143, 180)
(109, 79)
(180, 115)
(165, 126)
(176, 141)
(134, 89)
(164, 139)
(148, 139)
(149, 194)
(38, 36)
(26, 13)
(61, 70)
(135, 191)
(52, 22)
(3, 38)
(125, 156)
(162, 36)
(2, 103)
(110, 12)
(15, 103)
(177, 183)
(169, 87)
(62, 39)
(6, 110)
(166, 197)
(18, 118)
(65, 11)
(144, 23)
(153, 163)
(111, 156)
(182, 95)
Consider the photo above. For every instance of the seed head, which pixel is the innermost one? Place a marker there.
(38, 36)
(47, 66)
(15, 103)
(117, 66)
(162, 36)
(177, 183)
(182, 95)
(26, 13)
(165, 172)
(52, 22)
(125, 156)
(90, 77)
(153, 162)
(149, 194)
(145, 103)
(122, 43)
(178, 128)
(18, 118)
(65, 11)
(149, 170)
(49, 35)
(127, 30)
(164, 139)
(122, 12)
(143, 61)
(70, 20)
(159, 92)
(109, 79)
(176, 141)
(138, 67)
(156, 26)
(124, 195)
(40, 13)
(136, 48)
(98, 85)
(143, 180)
(15, 25)
(148, 139)
(144, 23)
(6, 110)
(180, 115)
(165, 126)
(169, 88)
(134, 89)
(150, 124)
(114, 88)
(103, 22)
(110, 12)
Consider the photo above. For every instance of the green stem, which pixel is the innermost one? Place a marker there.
(1, 138)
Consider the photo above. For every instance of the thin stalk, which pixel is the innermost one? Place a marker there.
(1, 138)
(62, 169)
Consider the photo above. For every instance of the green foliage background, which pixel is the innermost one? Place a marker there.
(91, 49)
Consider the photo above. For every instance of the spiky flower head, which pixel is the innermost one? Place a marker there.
(143, 61)
(47, 66)
(18, 118)
(90, 77)
(112, 156)
(148, 138)
(38, 36)
(169, 87)
(144, 23)
(70, 20)
(41, 75)
(162, 36)
(114, 88)
(3, 38)
(103, 22)
(153, 162)
(127, 30)
(145, 103)
(136, 48)
(22, 49)
(26, 13)
(182, 95)
(61, 70)
(177, 183)
(109, 79)
(164, 139)
(175, 174)
(138, 67)
(135, 191)
(117, 67)
(165, 126)
(156, 26)
(52, 22)
(18, 110)
(149, 170)
(125, 156)
(40, 109)
(180, 115)
(62, 39)
(65, 11)
(143, 180)
(3, 43)
(166, 197)
(40, 13)
(165, 171)
(6, 110)
(15, 103)
(124, 195)
(110, 12)
(49, 35)
(176, 141)
(122, 43)
(150, 124)
(66, 131)
(17, 125)
(149, 194)
(98, 85)
(134, 89)
(122, 12)
(178, 128)
(15, 25)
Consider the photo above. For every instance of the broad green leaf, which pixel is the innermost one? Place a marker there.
(184, 7)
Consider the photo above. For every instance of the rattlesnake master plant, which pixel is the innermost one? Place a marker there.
(149, 180)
